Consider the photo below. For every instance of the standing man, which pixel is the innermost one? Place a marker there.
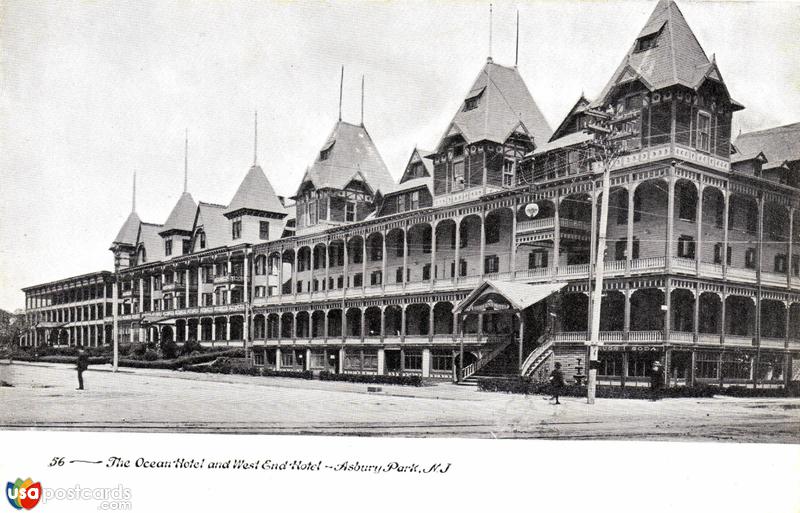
(656, 379)
(556, 382)
(83, 364)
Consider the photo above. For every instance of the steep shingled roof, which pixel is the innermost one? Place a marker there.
(211, 218)
(182, 215)
(256, 193)
(778, 144)
(150, 238)
(676, 59)
(130, 228)
(350, 153)
(504, 103)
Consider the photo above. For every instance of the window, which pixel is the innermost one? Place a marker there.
(647, 42)
(637, 208)
(414, 200)
(168, 247)
(299, 286)
(462, 268)
(340, 282)
(401, 203)
(376, 278)
(358, 280)
(263, 230)
(703, 142)
(350, 211)
(610, 364)
(464, 238)
(780, 263)
(398, 275)
(707, 365)
(261, 265)
(491, 264)
(326, 153)
(750, 258)
(442, 361)
(635, 251)
(236, 229)
(413, 360)
(796, 265)
(471, 104)
(202, 240)
(458, 175)
(312, 212)
(258, 358)
(537, 259)
(261, 291)
(508, 173)
(622, 208)
(331, 283)
(620, 248)
(426, 272)
(686, 246)
(718, 254)
(186, 246)
(376, 250)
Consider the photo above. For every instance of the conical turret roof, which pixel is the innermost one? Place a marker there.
(503, 104)
(182, 216)
(129, 231)
(255, 193)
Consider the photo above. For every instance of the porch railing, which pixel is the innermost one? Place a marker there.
(738, 340)
(537, 356)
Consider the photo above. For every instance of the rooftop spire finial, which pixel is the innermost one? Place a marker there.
(255, 139)
(490, 32)
(186, 162)
(362, 100)
(341, 85)
(133, 200)
(516, 51)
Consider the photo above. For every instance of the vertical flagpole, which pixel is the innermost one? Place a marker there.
(133, 200)
(186, 162)
(255, 140)
(362, 100)
(341, 84)
(490, 31)
(516, 51)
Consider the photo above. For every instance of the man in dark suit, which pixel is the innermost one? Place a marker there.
(83, 364)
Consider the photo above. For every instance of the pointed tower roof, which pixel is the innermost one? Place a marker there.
(181, 218)
(349, 153)
(504, 104)
(256, 195)
(665, 53)
(130, 229)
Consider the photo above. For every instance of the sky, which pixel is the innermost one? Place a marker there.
(92, 91)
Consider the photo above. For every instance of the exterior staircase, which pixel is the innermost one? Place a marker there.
(470, 374)
(538, 356)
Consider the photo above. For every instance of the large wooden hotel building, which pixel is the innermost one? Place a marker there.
(480, 259)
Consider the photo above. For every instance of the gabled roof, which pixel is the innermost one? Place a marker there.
(256, 193)
(676, 59)
(350, 151)
(413, 183)
(779, 144)
(565, 127)
(211, 219)
(504, 105)
(572, 139)
(417, 156)
(130, 228)
(519, 295)
(182, 216)
(151, 240)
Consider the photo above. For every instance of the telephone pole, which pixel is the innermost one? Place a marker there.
(607, 152)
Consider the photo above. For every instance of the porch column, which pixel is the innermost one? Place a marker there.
(433, 255)
(343, 330)
(625, 365)
(426, 363)
(346, 267)
(725, 214)
(627, 314)
(383, 322)
(200, 277)
(383, 270)
(277, 358)
(457, 252)
(405, 255)
(692, 368)
(557, 234)
(186, 287)
(482, 262)
(381, 361)
(293, 291)
(402, 323)
(724, 296)
(228, 329)
(325, 325)
(789, 263)
(629, 226)
(280, 327)
(698, 247)
(213, 329)
(141, 294)
(341, 360)
(518, 315)
(280, 277)
(759, 264)
(697, 313)
(363, 323)
(431, 320)
(512, 265)
(670, 218)
(363, 266)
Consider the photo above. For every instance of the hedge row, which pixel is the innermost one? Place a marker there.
(525, 386)
(413, 381)
(223, 366)
(182, 361)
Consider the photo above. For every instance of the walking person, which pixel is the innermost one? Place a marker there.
(556, 382)
(83, 364)
(656, 379)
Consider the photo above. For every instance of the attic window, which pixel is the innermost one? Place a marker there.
(470, 104)
(647, 42)
(325, 152)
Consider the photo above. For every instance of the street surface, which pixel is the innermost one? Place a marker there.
(43, 396)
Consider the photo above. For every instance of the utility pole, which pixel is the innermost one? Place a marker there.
(607, 154)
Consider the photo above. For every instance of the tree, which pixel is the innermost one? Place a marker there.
(12, 327)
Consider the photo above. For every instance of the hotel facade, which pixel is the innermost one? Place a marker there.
(480, 260)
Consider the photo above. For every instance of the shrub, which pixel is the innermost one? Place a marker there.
(169, 349)
(150, 355)
(191, 346)
(413, 380)
(286, 374)
(125, 349)
(138, 349)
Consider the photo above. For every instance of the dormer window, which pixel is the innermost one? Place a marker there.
(325, 152)
(470, 104)
(202, 240)
(168, 247)
(647, 42)
(236, 229)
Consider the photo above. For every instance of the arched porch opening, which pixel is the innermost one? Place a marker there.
(318, 324)
(417, 319)
(335, 322)
(682, 306)
(443, 318)
(392, 320)
(469, 245)
(205, 328)
(710, 313)
(773, 318)
(574, 311)
(612, 311)
(287, 262)
(287, 325)
(372, 321)
(740, 316)
(355, 250)
(237, 327)
(353, 318)
(303, 321)
(259, 327)
(272, 326)
(646, 312)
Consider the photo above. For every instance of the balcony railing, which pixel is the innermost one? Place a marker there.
(773, 343)
(228, 278)
(738, 341)
(545, 223)
(708, 338)
(681, 337)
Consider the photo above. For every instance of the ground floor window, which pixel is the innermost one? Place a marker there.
(770, 367)
(639, 365)
(610, 364)
(413, 360)
(352, 360)
(442, 361)
(370, 360)
(736, 365)
(317, 359)
(287, 359)
(258, 358)
(707, 365)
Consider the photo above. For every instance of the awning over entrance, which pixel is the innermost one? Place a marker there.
(517, 296)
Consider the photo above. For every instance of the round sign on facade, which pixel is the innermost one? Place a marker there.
(531, 209)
